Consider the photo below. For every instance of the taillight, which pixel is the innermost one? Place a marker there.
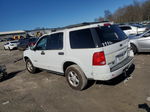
(99, 59)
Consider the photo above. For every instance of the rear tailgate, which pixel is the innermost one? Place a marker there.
(116, 53)
(114, 43)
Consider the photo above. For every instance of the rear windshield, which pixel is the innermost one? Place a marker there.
(110, 34)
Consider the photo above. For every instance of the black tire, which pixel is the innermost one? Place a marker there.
(79, 75)
(134, 48)
(33, 69)
(9, 48)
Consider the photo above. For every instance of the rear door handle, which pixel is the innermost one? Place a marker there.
(42, 53)
(61, 53)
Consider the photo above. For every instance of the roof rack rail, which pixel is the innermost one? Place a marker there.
(84, 24)
(77, 25)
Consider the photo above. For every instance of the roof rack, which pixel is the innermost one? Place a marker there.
(77, 25)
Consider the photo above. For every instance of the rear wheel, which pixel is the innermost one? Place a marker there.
(134, 48)
(75, 77)
(30, 67)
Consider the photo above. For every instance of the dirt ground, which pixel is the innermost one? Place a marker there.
(21, 91)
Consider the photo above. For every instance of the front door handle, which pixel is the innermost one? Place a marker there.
(61, 53)
(42, 53)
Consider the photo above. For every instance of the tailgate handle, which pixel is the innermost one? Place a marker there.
(42, 53)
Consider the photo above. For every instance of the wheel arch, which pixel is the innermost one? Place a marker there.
(132, 43)
(67, 64)
(25, 58)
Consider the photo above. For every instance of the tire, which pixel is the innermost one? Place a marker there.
(75, 77)
(30, 67)
(9, 48)
(134, 48)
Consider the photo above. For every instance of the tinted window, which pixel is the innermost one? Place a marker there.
(110, 34)
(41, 45)
(81, 39)
(55, 41)
(125, 28)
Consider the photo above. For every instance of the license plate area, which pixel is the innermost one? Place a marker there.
(121, 56)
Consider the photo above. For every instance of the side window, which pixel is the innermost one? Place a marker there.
(55, 41)
(41, 45)
(81, 39)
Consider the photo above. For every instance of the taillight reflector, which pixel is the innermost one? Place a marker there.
(99, 59)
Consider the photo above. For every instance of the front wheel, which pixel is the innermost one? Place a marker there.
(75, 77)
(30, 67)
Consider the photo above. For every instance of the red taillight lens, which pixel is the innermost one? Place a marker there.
(107, 24)
(99, 59)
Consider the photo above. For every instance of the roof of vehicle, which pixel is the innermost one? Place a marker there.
(80, 25)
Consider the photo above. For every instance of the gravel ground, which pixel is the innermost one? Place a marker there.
(21, 91)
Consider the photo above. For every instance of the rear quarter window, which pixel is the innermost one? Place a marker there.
(81, 39)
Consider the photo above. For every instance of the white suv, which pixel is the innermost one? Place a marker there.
(97, 51)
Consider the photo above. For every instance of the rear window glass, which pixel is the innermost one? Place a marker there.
(110, 34)
(81, 39)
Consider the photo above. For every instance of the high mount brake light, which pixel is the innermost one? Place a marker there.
(107, 24)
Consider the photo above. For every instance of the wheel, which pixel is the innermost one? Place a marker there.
(9, 48)
(75, 77)
(30, 67)
(133, 47)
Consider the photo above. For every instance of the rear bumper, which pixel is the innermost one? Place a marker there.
(106, 73)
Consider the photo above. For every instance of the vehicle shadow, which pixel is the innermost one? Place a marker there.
(118, 79)
(144, 53)
(10, 75)
(114, 81)
(144, 106)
